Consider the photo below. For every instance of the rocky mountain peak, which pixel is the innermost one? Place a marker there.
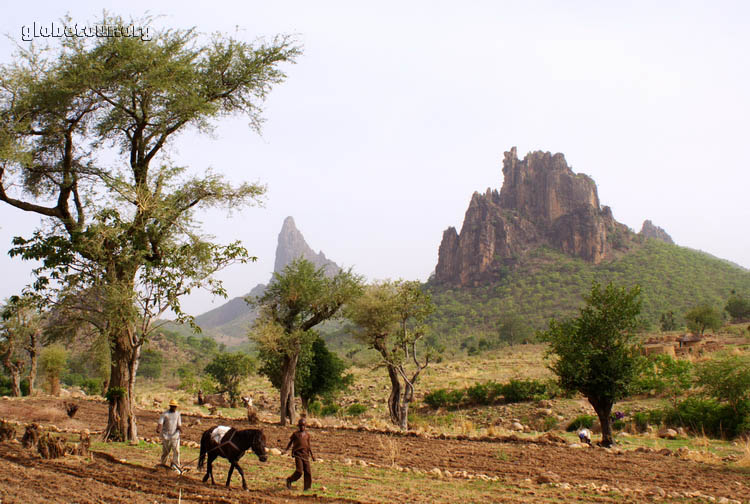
(649, 230)
(291, 245)
(541, 202)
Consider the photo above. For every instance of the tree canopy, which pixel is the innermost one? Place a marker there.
(229, 369)
(119, 244)
(597, 353)
(390, 318)
(702, 317)
(298, 298)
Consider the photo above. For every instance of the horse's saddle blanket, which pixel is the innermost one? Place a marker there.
(218, 433)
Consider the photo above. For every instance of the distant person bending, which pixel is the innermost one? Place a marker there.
(584, 435)
(169, 427)
(302, 452)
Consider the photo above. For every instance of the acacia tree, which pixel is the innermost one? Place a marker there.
(597, 353)
(702, 317)
(320, 372)
(22, 326)
(229, 370)
(122, 232)
(390, 318)
(298, 299)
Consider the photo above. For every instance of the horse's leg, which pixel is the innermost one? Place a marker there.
(231, 470)
(242, 473)
(211, 458)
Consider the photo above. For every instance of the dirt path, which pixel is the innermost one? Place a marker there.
(511, 462)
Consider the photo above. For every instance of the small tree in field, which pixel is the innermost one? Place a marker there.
(320, 372)
(21, 327)
(229, 370)
(703, 317)
(298, 299)
(596, 353)
(727, 379)
(53, 361)
(390, 317)
(738, 308)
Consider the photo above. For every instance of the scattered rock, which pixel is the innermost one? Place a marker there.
(516, 426)
(275, 451)
(362, 463)
(437, 472)
(668, 434)
(575, 445)
(547, 477)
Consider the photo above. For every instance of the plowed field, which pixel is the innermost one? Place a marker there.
(25, 478)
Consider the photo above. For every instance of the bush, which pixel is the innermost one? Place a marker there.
(580, 422)
(437, 399)
(524, 390)
(710, 417)
(455, 397)
(314, 408)
(727, 379)
(329, 409)
(356, 409)
(479, 394)
(5, 386)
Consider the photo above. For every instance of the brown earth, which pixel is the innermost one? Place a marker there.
(25, 478)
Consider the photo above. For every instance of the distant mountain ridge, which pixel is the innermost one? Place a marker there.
(542, 202)
(229, 322)
(533, 249)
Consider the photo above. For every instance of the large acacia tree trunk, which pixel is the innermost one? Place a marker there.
(603, 410)
(121, 423)
(289, 370)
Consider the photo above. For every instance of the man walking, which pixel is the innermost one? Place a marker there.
(169, 427)
(302, 452)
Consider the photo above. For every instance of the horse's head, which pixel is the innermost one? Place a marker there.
(259, 446)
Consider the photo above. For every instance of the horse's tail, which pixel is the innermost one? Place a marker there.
(205, 441)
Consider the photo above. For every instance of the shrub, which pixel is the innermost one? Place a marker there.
(92, 386)
(5, 386)
(478, 394)
(356, 409)
(455, 397)
(727, 379)
(524, 390)
(314, 408)
(437, 398)
(329, 409)
(580, 422)
(710, 417)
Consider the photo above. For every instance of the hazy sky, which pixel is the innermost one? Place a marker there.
(398, 111)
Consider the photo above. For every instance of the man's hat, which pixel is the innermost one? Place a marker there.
(173, 403)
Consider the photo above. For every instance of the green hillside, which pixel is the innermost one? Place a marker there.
(547, 283)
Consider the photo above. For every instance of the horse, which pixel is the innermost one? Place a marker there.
(232, 447)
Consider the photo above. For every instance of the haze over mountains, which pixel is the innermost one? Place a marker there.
(230, 322)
